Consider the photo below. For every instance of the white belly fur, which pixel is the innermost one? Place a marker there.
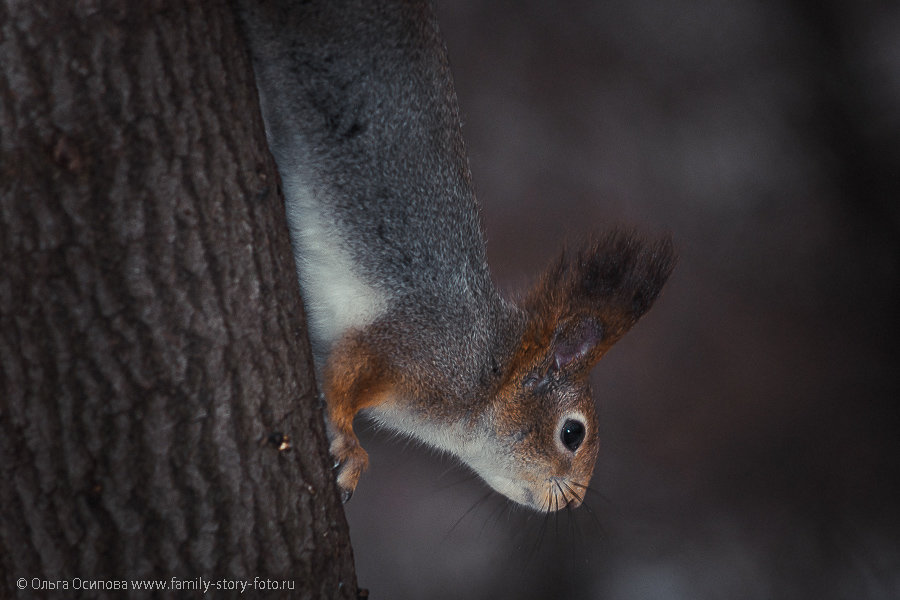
(335, 296)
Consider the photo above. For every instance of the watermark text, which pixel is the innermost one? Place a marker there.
(200, 584)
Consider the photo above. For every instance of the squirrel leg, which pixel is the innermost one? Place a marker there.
(354, 380)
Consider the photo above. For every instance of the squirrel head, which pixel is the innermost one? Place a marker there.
(543, 415)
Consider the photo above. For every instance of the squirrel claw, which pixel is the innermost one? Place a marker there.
(350, 461)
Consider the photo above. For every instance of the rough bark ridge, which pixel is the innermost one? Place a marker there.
(152, 347)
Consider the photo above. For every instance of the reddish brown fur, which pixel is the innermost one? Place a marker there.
(582, 305)
(356, 377)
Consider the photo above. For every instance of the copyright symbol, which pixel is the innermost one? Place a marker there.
(22, 583)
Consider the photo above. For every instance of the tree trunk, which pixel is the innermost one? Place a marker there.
(158, 416)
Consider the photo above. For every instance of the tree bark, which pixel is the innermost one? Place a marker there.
(158, 415)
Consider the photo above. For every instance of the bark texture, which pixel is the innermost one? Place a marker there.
(158, 416)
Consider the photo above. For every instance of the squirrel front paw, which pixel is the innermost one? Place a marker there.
(350, 460)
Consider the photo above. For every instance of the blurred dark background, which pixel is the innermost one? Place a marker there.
(750, 421)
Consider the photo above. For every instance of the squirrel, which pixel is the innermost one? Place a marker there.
(405, 321)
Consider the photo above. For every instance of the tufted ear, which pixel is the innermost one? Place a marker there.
(590, 298)
(574, 344)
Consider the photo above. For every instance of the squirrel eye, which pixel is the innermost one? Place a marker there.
(572, 434)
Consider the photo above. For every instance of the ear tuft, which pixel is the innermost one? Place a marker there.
(591, 297)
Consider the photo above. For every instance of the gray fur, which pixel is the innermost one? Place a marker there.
(363, 122)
